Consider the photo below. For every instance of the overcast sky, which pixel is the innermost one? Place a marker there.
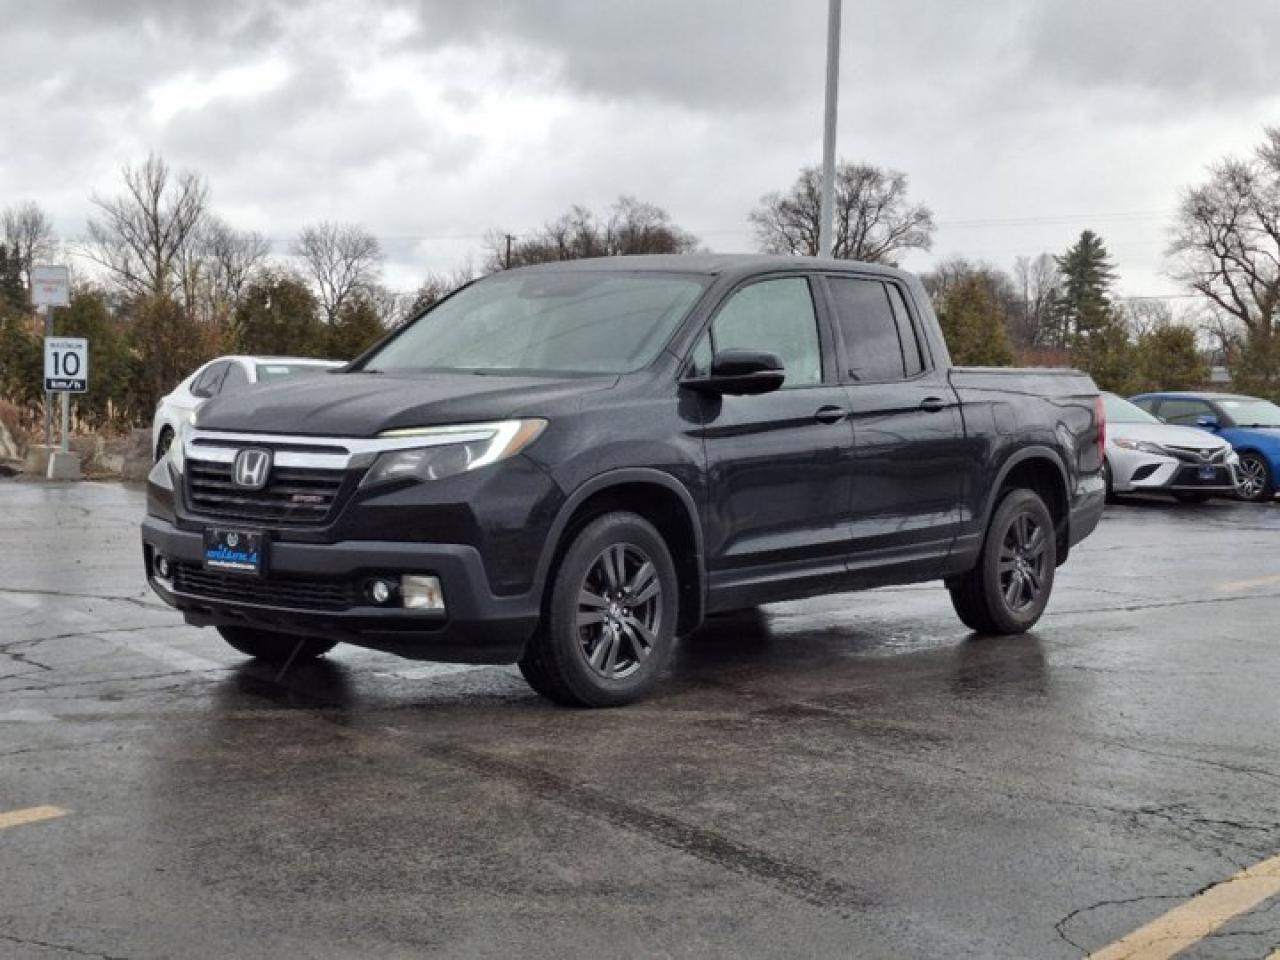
(1019, 122)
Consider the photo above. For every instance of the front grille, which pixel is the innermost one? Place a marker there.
(1190, 477)
(293, 495)
(1192, 454)
(300, 594)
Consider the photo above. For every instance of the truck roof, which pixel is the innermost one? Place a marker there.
(710, 264)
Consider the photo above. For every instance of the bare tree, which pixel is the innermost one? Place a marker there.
(874, 220)
(231, 257)
(1038, 281)
(1226, 246)
(432, 290)
(629, 227)
(28, 235)
(144, 235)
(339, 259)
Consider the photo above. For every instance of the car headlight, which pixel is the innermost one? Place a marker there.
(1143, 445)
(178, 444)
(447, 451)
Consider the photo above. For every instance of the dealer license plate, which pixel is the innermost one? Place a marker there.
(1208, 473)
(234, 551)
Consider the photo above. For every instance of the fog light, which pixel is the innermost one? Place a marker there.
(381, 591)
(160, 564)
(421, 593)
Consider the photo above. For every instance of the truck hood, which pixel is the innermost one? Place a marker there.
(364, 405)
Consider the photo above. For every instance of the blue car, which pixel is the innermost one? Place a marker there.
(1250, 425)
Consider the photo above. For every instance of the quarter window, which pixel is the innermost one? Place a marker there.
(879, 341)
(777, 316)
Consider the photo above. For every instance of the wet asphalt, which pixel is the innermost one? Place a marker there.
(852, 776)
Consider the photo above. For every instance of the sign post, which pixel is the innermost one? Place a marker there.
(66, 366)
(50, 287)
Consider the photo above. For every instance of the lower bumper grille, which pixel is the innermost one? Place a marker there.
(1190, 477)
(298, 594)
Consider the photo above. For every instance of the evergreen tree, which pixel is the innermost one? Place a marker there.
(356, 328)
(12, 291)
(110, 360)
(278, 314)
(1168, 359)
(974, 324)
(1084, 305)
(1108, 355)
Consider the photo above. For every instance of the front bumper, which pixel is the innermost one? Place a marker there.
(477, 627)
(1136, 471)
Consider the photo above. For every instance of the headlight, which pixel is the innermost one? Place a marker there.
(1142, 445)
(451, 450)
(179, 443)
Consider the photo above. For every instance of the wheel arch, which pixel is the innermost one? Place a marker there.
(1040, 469)
(658, 497)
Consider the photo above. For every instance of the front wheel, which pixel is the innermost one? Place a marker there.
(609, 625)
(1008, 589)
(275, 648)
(1255, 480)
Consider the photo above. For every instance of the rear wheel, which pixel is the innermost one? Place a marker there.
(277, 648)
(609, 626)
(1008, 589)
(1256, 482)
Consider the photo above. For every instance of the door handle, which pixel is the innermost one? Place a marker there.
(933, 404)
(830, 414)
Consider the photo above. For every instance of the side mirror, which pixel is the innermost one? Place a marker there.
(1207, 422)
(740, 372)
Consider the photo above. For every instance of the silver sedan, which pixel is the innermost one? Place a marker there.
(1145, 455)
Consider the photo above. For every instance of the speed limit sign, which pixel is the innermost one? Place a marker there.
(66, 364)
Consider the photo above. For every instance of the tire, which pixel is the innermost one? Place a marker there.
(1020, 545)
(1257, 485)
(1106, 477)
(275, 648)
(606, 636)
(163, 443)
(1191, 496)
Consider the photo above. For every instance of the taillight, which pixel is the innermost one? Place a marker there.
(1100, 415)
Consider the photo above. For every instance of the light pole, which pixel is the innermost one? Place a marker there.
(829, 129)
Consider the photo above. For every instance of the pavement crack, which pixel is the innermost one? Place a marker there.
(793, 878)
(136, 601)
(26, 941)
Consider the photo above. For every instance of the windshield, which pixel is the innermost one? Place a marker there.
(1122, 411)
(546, 323)
(278, 371)
(1252, 413)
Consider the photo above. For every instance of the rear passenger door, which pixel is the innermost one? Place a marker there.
(909, 456)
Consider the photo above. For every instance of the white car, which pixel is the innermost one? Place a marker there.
(1146, 455)
(221, 375)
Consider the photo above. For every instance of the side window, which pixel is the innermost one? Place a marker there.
(235, 379)
(1184, 412)
(872, 343)
(778, 316)
(700, 359)
(207, 383)
(912, 349)
(1146, 403)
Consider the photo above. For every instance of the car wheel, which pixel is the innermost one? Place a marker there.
(1008, 589)
(276, 648)
(1191, 496)
(1255, 480)
(163, 443)
(1106, 478)
(609, 624)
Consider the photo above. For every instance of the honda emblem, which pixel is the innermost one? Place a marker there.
(251, 468)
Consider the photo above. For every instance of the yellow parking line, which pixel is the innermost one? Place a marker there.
(1235, 586)
(16, 818)
(1199, 916)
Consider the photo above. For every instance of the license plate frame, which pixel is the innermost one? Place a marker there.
(1208, 474)
(236, 551)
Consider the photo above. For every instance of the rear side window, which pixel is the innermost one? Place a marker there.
(1184, 412)
(912, 353)
(879, 341)
(777, 316)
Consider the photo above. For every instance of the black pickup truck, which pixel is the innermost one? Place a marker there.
(569, 466)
